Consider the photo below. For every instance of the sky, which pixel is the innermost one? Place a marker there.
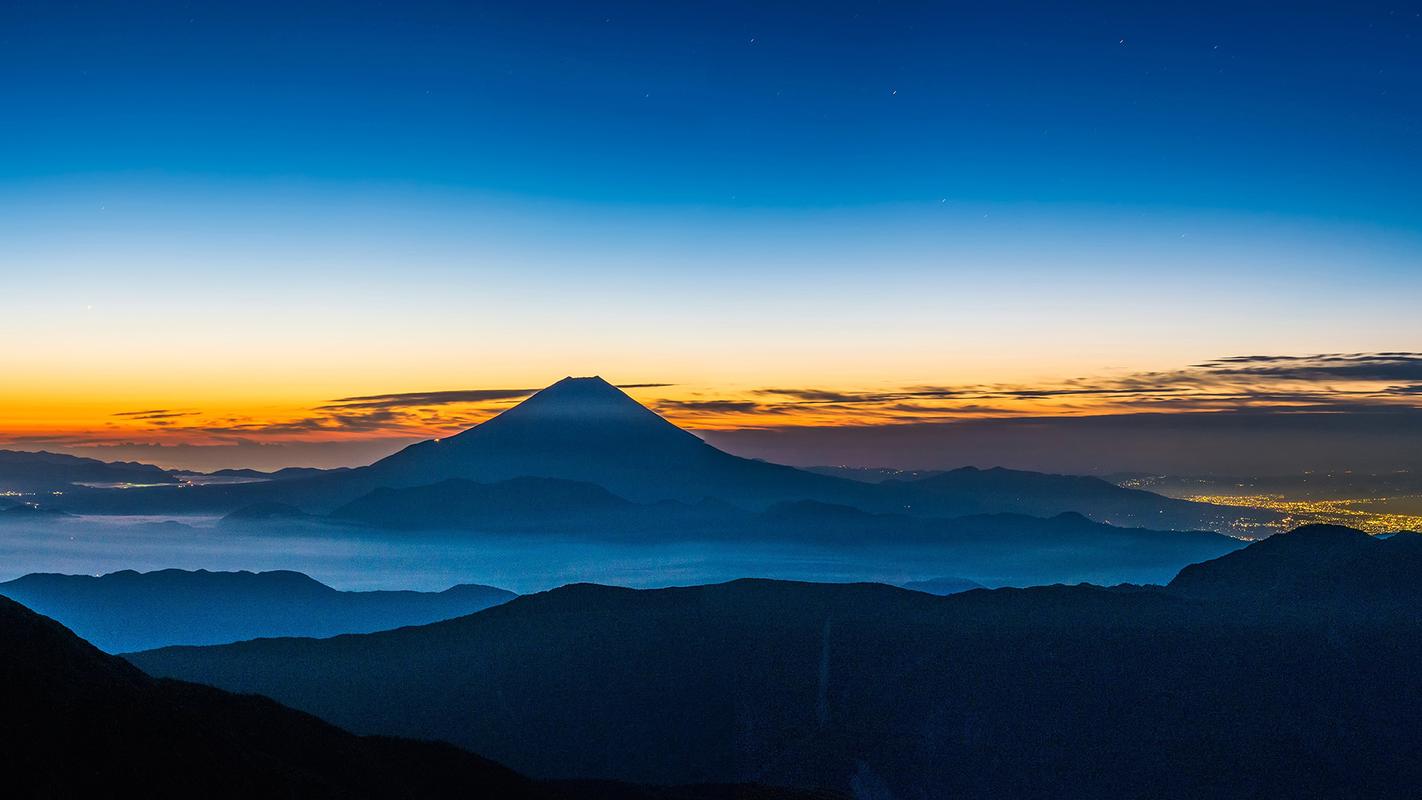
(264, 234)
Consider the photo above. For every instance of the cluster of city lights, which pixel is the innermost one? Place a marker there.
(1357, 513)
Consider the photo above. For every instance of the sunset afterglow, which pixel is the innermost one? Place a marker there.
(780, 234)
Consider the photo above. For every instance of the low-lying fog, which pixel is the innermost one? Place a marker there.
(361, 559)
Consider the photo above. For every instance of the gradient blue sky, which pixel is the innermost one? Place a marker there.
(271, 205)
(1294, 109)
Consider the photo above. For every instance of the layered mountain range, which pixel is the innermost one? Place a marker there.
(586, 430)
(1283, 669)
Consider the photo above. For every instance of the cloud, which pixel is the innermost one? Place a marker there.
(934, 411)
(360, 421)
(851, 397)
(1387, 366)
(714, 406)
(424, 399)
(157, 413)
(1325, 382)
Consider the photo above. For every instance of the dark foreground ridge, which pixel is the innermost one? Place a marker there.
(79, 723)
(1287, 669)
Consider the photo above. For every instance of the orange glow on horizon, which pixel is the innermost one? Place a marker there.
(214, 413)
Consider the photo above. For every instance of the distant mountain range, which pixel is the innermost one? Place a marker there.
(79, 723)
(128, 610)
(43, 473)
(585, 430)
(286, 473)
(991, 491)
(996, 549)
(1286, 669)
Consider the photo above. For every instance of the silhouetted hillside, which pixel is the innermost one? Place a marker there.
(128, 610)
(1049, 692)
(1009, 549)
(1315, 565)
(991, 491)
(283, 474)
(454, 504)
(41, 472)
(79, 723)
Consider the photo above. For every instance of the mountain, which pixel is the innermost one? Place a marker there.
(128, 610)
(1003, 549)
(547, 506)
(585, 429)
(457, 503)
(1050, 692)
(79, 723)
(578, 429)
(970, 490)
(283, 474)
(1329, 565)
(42, 472)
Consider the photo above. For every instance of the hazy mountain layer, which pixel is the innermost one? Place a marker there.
(41, 473)
(991, 548)
(125, 611)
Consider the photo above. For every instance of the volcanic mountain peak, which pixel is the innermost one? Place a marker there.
(590, 398)
(587, 416)
(581, 429)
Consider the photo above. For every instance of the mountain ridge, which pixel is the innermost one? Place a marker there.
(986, 693)
(80, 723)
(129, 610)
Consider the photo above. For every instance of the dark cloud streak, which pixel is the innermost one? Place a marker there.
(423, 399)
(157, 413)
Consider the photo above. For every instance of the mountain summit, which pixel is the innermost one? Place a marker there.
(586, 429)
(578, 414)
